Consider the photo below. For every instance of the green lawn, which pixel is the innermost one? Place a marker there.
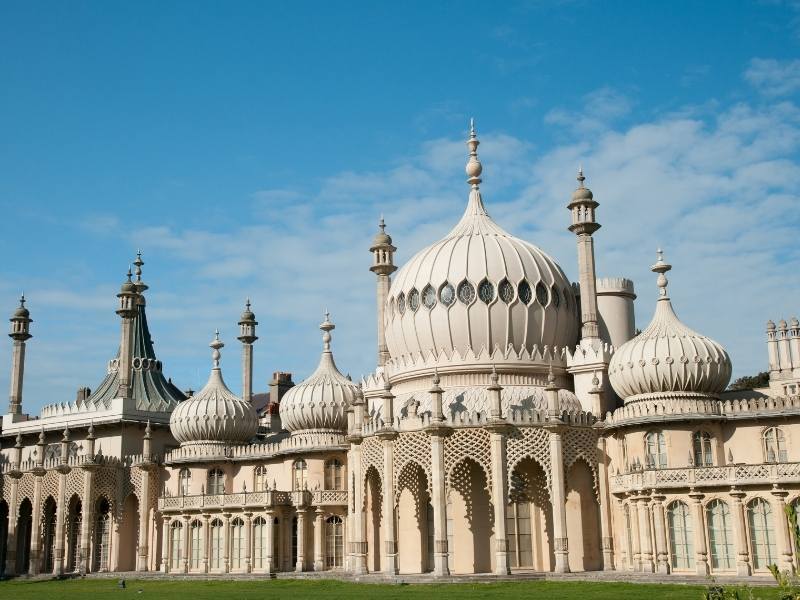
(287, 589)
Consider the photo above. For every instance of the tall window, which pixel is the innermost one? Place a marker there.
(74, 535)
(260, 482)
(681, 548)
(237, 544)
(299, 469)
(184, 477)
(259, 543)
(762, 534)
(623, 444)
(518, 522)
(656, 450)
(215, 560)
(216, 482)
(720, 535)
(333, 475)
(334, 542)
(197, 544)
(277, 537)
(701, 442)
(102, 536)
(49, 534)
(774, 445)
(176, 537)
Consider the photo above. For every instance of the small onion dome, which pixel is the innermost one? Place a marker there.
(582, 193)
(214, 415)
(128, 287)
(319, 403)
(770, 325)
(247, 314)
(668, 358)
(794, 323)
(382, 238)
(21, 312)
(782, 324)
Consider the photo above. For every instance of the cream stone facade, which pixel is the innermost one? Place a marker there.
(514, 421)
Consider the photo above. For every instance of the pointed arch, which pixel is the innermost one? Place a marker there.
(128, 538)
(530, 516)
(470, 518)
(583, 517)
(373, 503)
(413, 502)
(24, 531)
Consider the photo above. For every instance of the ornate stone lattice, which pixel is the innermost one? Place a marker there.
(372, 478)
(49, 486)
(469, 479)
(471, 443)
(106, 484)
(75, 485)
(412, 447)
(581, 443)
(25, 488)
(372, 455)
(413, 478)
(529, 442)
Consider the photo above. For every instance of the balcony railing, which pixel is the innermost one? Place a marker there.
(695, 477)
(253, 500)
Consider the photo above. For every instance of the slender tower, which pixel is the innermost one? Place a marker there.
(20, 333)
(127, 310)
(383, 266)
(582, 207)
(247, 335)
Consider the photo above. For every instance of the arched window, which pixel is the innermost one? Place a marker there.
(259, 543)
(197, 544)
(237, 544)
(176, 539)
(334, 542)
(720, 535)
(655, 450)
(679, 521)
(774, 445)
(701, 443)
(216, 482)
(215, 560)
(299, 469)
(762, 533)
(74, 534)
(102, 536)
(261, 483)
(49, 534)
(184, 478)
(334, 479)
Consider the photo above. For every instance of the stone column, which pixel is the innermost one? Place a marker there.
(606, 533)
(633, 514)
(560, 541)
(319, 556)
(144, 521)
(662, 562)
(358, 533)
(11, 536)
(740, 535)
(185, 543)
(166, 544)
(58, 550)
(269, 562)
(248, 552)
(206, 541)
(86, 521)
(301, 538)
(699, 527)
(226, 529)
(36, 526)
(782, 529)
(500, 497)
(625, 560)
(17, 374)
(441, 567)
(389, 516)
(646, 561)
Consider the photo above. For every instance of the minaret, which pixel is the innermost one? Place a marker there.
(128, 301)
(20, 333)
(383, 266)
(582, 207)
(247, 335)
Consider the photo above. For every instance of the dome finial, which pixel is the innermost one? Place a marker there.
(661, 267)
(216, 344)
(382, 224)
(326, 326)
(580, 177)
(474, 167)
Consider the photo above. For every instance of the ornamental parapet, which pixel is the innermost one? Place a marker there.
(252, 500)
(54, 463)
(700, 477)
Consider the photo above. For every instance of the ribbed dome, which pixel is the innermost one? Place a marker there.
(668, 358)
(214, 414)
(318, 404)
(479, 288)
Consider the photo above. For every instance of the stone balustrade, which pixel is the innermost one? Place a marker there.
(697, 477)
(252, 500)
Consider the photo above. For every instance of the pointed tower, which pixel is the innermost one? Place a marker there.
(127, 310)
(20, 333)
(383, 266)
(247, 335)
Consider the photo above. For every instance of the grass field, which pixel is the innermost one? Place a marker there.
(100, 589)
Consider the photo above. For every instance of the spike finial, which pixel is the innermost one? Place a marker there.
(382, 224)
(326, 326)
(580, 177)
(216, 344)
(661, 267)
(474, 167)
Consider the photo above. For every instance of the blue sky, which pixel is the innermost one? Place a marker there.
(249, 149)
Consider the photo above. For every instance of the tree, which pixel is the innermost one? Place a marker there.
(750, 382)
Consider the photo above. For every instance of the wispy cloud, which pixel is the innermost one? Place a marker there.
(773, 77)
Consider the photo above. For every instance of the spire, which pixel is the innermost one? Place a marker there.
(247, 325)
(474, 167)
(326, 326)
(141, 286)
(661, 267)
(580, 177)
(216, 344)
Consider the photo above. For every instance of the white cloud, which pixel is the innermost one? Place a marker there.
(773, 77)
(600, 109)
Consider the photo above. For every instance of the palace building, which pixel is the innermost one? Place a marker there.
(515, 421)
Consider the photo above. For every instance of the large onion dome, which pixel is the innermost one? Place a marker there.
(318, 404)
(668, 359)
(476, 291)
(215, 415)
